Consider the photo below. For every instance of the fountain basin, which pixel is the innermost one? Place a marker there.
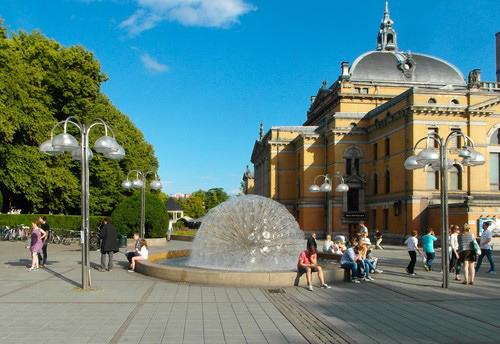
(185, 274)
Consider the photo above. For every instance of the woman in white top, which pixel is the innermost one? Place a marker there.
(454, 255)
(412, 246)
(327, 245)
(143, 255)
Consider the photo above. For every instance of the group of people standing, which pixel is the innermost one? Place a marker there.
(464, 251)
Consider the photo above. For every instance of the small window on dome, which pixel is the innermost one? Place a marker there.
(455, 101)
(431, 101)
(390, 39)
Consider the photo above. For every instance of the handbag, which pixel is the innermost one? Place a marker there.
(475, 247)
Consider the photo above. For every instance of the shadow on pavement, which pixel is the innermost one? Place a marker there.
(61, 277)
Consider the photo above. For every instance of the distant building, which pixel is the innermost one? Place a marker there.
(248, 182)
(180, 195)
(365, 125)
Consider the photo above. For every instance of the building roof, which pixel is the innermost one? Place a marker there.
(401, 67)
(172, 205)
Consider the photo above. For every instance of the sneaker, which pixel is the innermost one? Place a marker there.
(377, 271)
(370, 279)
(101, 270)
(130, 270)
(413, 274)
(355, 280)
(363, 279)
(491, 272)
(426, 268)
(310, 287)
(326, 286)
(32, 269)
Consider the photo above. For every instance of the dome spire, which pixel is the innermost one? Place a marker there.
(386, 39)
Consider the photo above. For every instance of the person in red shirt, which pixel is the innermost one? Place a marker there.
(308, 262)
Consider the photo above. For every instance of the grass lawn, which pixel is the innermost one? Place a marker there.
(188, 232)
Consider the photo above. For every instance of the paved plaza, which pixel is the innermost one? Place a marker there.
(47, 306)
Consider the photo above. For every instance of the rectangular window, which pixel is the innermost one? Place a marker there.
(348, 166)
(431, 142)
(494, 171)
(456, 142)
(387, 147)
(386, 219)
(375, 151)
(357, 90)
(365, 91)
(374, 218)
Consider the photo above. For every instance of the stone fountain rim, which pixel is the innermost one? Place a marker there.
(261, 279)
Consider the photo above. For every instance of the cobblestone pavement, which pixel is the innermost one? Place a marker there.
(47, 306)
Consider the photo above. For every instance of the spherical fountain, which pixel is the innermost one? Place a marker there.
(246, 241)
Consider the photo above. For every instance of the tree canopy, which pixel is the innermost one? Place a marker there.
(202, 201)
(42, 83)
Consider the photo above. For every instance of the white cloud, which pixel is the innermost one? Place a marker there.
(152, 64)
(205, 13)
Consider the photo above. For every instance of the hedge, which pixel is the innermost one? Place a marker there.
(67, 222)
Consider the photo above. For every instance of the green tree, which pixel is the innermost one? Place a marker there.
(127, 216)
(192, 206)
(42, 83)
(211, 198)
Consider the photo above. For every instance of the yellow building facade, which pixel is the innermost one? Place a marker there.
(365, 125)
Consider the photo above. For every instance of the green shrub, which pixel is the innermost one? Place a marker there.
(66, 222)
(127, 216)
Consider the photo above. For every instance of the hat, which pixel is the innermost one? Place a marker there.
(367, 241)
(340, 238)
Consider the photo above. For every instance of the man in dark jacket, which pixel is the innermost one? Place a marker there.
(312, 241)
(109, 244)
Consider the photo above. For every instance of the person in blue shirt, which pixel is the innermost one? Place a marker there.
(349, 261)
(428, 245)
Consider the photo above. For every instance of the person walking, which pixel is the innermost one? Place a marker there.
(412, 247)
(454, 255)
(468, 254)
(486, 247)
(42, 257)
(428, 246)
(109, 244)
(378, 240)
(169, 230)
(37, 236)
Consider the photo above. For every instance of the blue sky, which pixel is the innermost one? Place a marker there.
(198, 76)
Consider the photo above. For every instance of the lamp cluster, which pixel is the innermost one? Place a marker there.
(430, 156)
(65, 142)
(139, 183)
(327, 184)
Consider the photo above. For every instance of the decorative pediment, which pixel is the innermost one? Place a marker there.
(485, 105)
(354, 179)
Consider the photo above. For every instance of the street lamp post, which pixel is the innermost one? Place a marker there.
(141, 184)
(64, 142)
(327, 187)
(438, 161)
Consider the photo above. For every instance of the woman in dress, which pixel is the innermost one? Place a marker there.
(468, 255)
(37, 236)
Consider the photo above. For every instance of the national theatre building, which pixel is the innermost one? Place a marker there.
(365, 125)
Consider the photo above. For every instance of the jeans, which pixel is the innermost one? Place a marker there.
(368, 267)
(487, 253)
(413, 261)
(110, 260)
(130, 255)
(353, 267)
(455, 263)
(43, 260)
(430, 258)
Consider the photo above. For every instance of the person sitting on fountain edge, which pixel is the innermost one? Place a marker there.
(137, 248)
(308, 262)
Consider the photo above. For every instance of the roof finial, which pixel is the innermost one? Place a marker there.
(261, 134)
(323, 85)
(386, 39)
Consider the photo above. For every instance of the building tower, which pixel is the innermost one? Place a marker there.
(386, 39)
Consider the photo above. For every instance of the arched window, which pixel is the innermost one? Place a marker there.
(495, 138)
(456, 177)
(387, 177)
(375, 184)
(455, 102)
(352, 155)
(431, 101)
